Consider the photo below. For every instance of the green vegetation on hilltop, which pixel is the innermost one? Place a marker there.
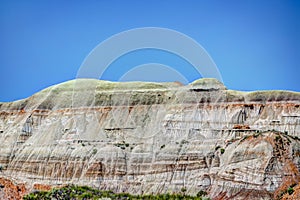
(83, 192)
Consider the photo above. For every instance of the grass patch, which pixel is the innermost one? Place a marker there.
(85, 192)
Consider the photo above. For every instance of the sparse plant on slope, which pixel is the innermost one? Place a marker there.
(222, 150)
(290, 190)
(201, 193)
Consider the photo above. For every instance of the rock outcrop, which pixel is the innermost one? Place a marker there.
(141, 137)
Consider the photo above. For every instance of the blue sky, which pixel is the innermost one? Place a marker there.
(255, 44)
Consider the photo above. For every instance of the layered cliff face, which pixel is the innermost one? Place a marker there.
(154, 138)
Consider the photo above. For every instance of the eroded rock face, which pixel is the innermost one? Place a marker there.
(154, 138)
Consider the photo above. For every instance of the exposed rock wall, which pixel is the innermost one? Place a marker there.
(154, 138)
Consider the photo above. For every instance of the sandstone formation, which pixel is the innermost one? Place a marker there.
(141, 137)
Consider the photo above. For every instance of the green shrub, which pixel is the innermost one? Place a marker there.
(217, 147)
(183, 189)
(222, 151)
(201, 193)
(94, 151)
(256, 135)
(290, 190)
(86, 195)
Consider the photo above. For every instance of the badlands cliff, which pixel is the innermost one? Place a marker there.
(141, 137)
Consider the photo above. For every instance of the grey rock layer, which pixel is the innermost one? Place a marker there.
(143, 137)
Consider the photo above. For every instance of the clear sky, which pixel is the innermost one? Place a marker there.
(255, 43)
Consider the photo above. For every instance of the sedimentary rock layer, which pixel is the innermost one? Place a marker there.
(142, 137)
